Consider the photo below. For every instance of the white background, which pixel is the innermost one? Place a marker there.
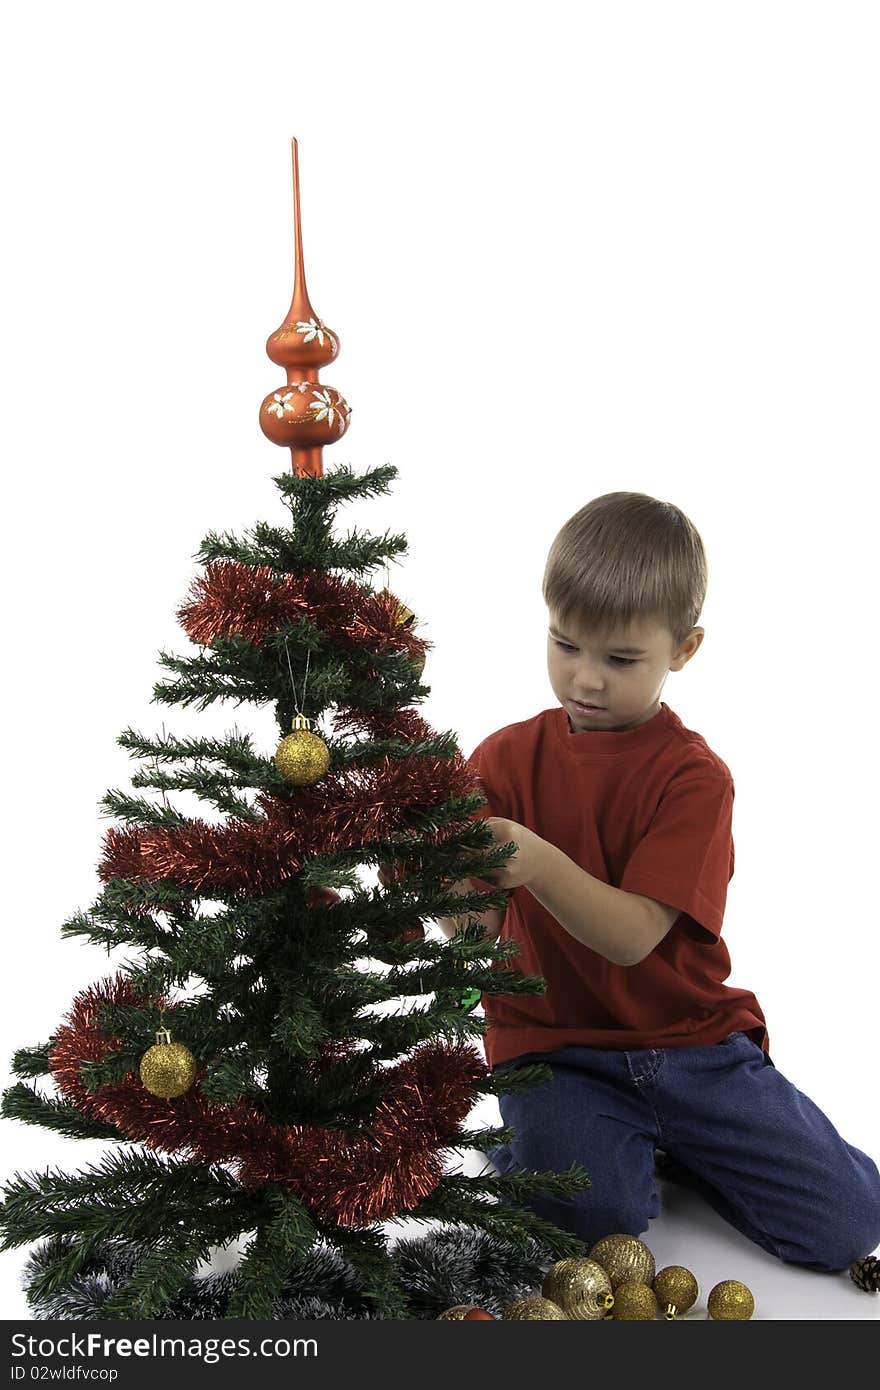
(568, 249)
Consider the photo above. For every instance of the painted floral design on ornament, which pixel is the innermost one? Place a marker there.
(279, 404)
(327, 409)
(315, 328)
(308, 330)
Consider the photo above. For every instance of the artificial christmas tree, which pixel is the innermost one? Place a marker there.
(251, 1056)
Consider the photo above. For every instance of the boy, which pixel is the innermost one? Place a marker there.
(622, 821)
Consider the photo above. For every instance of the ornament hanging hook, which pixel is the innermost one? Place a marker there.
(296, 706)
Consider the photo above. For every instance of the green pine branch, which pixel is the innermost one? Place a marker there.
(110, 922)
(362, 752)
(25, 1103)
(267, 1260)
(215, 788)
(137, 810)
(32, 1061)
(135, 894)
(518, 1187)
(456, 1201)
(130, 1195)
(205, 678)
(519, 1078)
(308, 497)
(288, 553)
(367, 1253)
(300, 1028)
(235, 751)
(484, 1139)
(112, 936)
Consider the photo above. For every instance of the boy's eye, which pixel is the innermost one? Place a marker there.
(621, 660)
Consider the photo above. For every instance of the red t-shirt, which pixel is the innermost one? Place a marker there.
(647, 810)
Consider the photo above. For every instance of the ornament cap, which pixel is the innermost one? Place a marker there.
(301, 722)
(163, 1037)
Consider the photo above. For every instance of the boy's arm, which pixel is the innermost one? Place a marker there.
(623, 927)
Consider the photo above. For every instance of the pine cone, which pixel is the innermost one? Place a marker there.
(866, 1273)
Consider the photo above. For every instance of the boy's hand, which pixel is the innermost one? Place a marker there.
(522, 868)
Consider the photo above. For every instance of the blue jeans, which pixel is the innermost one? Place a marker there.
(762, 1154)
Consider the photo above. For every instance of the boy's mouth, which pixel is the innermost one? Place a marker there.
(586, 709)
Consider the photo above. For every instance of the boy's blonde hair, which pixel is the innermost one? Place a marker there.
(624, 556)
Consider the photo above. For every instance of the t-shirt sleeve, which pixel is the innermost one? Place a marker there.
(481, 762)
(495, 804)
(686, 857)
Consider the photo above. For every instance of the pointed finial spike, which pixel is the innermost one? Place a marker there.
(300, 307)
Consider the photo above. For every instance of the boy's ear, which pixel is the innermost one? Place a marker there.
(687, 648)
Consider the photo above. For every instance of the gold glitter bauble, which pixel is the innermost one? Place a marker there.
(533, 1307)
(168, 1069)
(625, 1260)
(581, 1288)
(458, 1312)
(302, 757)
(731, 1301)
(677, 1290)
(634, 1302)
(405, 616)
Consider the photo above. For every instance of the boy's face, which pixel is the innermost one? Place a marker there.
(622, 671)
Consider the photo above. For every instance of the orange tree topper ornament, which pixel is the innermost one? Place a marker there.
(305, 415)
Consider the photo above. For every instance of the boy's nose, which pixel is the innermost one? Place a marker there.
(590, 685)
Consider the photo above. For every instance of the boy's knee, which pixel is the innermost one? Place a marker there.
(591, 1214)
(845, 1231)
(591, 1220)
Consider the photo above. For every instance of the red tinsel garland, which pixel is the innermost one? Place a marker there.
(404, 724)
(348, 807)
(347, 1178)
(255, 600)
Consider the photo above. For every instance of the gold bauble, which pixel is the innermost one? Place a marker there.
(405, 616)
(580, 1288)
(677, 1290)
(731, 1301)
(624, 1259)
(532, 1308)
(302, 757)
(634, 1302)
(168, 1069)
